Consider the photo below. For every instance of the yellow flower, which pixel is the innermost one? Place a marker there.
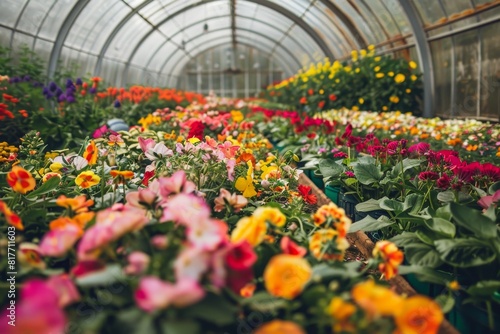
(399, 78)
(250, 229)
(357, 70)
(361, 100)
(237, 116)
(362, 52)
(408, 90)
(51, 155)
(347, 69)
(341, 311)
(418, 315)
(337, 80)
(268, 171)
(379, 75)
(371, 47)
(322, 91)
(271, 215)
(91, 153)
(412, 64)
(50, 175)
(391, 74)
(56, 167)
(376, 300)
(245, 185)
(376, 68)
(454, 286)
(286, 275)
(413, 77)
(354, 55)
(394, 99)
(279, 327)
(384, 108)
(377, 59)
(87, 179)
(193, 140)
(355, 108)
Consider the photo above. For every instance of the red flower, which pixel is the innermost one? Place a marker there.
(147, 175)
(196, 130)
(428, 176)
(443, 182)
(348, 131)
(321, 104)
(304, 192)
(332, 97)
(310, 91)
(289, 247)
(303, 100)
(241, 256)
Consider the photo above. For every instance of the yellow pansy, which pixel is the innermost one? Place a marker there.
(245, 185)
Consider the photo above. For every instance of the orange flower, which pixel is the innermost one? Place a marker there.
(303, 100)
(391, 258)
(341, 311)
(249, 229)
(91, 153)
(77, 205)
(62, 222)
(20, 180)
(327, 245)
(87, 179)
(332, 213)
(11, 218)
(247, 290)
(279, 327)
(376, 300)
(418, 315)
(271, 215)
(50, 175)
(286, 275)
(126, 174)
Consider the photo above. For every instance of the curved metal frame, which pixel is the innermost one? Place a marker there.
(285, 12)
(61, 36)
(247, 30)
(215, 17)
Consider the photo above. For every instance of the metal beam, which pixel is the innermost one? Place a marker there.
(424, 55)
(111, 36)
(232, 6)
(346, 20)
(62, 34)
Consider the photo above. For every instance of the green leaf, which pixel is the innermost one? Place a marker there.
(465, 253)
(215, 309)
(484, 288)
(480, 192)
(329, 168)
(422, 255)
(367, 206)
(427, 237)
(367, 174)
(446, 302)
(46, 187)
(425, 274)
(336, 270)
(405, 238)
(134, 321)
(413, 202)
(494, 188)
(441, 226)
(178, 327)
(111, 274)
(369, 223)
(448, 196)
(474, 221)
(444, 212)
(391, 205)
(407, 164)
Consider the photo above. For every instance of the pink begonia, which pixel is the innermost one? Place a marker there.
(37, 311)
(237, 202)
(65, 288)
(158, 151)
(486, 201)
(175, 184)
(155, 294)
(191, 263)
(138, 262)
(58, 242)
(141, 198)
(228, 149)
(146, 143)
(111, 224)
(185, 209)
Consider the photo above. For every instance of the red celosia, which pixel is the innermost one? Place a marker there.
(304, 192)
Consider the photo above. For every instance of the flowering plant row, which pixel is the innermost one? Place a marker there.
(188, 224)
(366, 82)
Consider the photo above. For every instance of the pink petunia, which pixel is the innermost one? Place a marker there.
(58, 242)
(138, 262)
(185, 209)
(191, 263)
(175, 184)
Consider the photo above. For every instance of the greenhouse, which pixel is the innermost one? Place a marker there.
(249, 166)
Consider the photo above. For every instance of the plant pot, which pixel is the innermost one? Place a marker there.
(348, 203)
(317, 179)
(117, 124)
(470, 319)
(332, 193)
(373, 235)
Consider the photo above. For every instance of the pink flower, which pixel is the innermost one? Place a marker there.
(420, 148)
(486, 201)
(65, 288)
(146, 143)
(185, 209)
(138, 262)
(141, 199)
(58, 242)
(154, 294)
(237, 202)
(289, 247)
(148, 174)
(191, 263)
(230, 164)
(228, 149)
(159, 242)
(83, 268)
(205, 234)
(175, 184)
(36, 311)
(240, 256)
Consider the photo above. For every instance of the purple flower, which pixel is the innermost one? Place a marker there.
(93, 90)
(79, 81)
(27, 78)
(70, 99)
(69, 83)
(117, 104)
(53, 87)
(61, 98)
(58, 92)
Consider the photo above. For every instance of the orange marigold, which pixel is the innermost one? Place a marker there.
(418, 315)
(391, 258)
(286, 275)
(279, 327)
(376, 300)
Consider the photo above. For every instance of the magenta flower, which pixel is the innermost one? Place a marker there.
(176, 184)
(58, 242)
(424, 176)
(420, 148)
(486, 201)
(65, 288)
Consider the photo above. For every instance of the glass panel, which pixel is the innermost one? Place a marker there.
(398, 15)
(490, 67)
(371, 18)
(128, 37)
(11, 9)
(455, 7)
(269, 30)
(384, 16)
(466, 67)
(20, 40)
(160, 55)
(442, 53)
(493, 12)
(430, 11)
(94, 12)
(296, 7)
(306, 43)
(5, 36)
(55, 18)
(260, 13)
(43, 49)
(33, 15)
(360, 23)
(145, 49)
